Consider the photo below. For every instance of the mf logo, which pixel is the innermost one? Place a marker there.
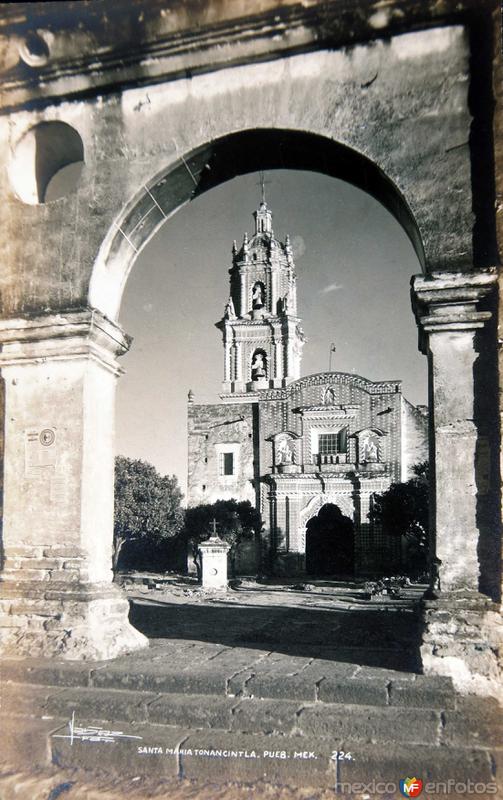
(411, 787)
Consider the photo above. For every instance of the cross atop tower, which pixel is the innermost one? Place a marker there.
(263, 183)
(263, 215)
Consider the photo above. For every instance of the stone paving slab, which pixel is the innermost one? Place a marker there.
(104, 706)
(423, 691)
(154, 751)
(265, 716)
(274, 686)
(268, 758)
(193, 711)
(475, 723)
(25, 700)
(353, 690)
(27, 741)
(152, 677)
(370, 724)
(45, 671)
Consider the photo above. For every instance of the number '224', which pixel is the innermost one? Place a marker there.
(340, 755)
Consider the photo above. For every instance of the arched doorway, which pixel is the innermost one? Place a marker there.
(330, 543)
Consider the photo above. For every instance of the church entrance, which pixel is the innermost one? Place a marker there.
(330, 543)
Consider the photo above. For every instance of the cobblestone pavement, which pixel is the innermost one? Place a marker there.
(322, 619)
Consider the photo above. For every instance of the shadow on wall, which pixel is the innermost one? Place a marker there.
(487, 462)
(379, 638)
(2, 462)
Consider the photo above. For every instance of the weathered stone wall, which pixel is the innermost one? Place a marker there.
(212, 430)
(401, 103)
(497, 88)
(414, 438)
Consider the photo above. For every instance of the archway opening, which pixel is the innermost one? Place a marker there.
(330, 544)
(345, 301)
(217, 162)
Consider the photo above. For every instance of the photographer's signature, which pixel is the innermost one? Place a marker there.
(92, 733)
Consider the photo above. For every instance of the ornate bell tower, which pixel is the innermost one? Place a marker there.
(262, 333)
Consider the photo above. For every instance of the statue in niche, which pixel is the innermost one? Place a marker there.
(284, 454)
(258, 296)
(329, 397)
(369, 451)
(229, 312)
(258, 367)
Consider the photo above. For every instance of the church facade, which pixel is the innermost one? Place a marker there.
(309, 452)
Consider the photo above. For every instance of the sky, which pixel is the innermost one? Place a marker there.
(354, 264)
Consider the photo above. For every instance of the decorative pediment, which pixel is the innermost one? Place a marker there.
(369, 431)
(283, 434)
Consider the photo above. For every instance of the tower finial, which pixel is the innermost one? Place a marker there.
(262, 183)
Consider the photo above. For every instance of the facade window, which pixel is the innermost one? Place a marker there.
(332, 444)
(226, 464)
(328, 444)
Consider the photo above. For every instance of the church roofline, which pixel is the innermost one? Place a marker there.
(322, 377)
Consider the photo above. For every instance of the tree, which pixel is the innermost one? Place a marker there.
(147, 505)
(403, 510)
(235, 520)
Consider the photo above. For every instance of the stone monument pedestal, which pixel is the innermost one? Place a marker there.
(214, 563)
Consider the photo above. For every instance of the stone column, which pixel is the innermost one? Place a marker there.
(227, 360)
(214, 563)
(238, 377)
(462, 633)
(243, 294)
(56, 593)
(278, 360)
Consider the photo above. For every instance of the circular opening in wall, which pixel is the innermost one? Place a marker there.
(40, 167)
(35, 48)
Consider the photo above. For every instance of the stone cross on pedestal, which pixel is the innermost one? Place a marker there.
(214, 561)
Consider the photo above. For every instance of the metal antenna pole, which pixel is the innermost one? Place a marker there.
(332, 350)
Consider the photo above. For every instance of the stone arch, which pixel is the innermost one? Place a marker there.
(315, 505)
(221, 160)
